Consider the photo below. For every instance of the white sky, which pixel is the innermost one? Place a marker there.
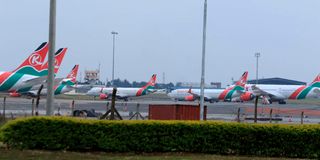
(157, 36)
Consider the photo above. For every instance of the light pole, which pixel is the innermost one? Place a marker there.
(257, 55)
(203, 59)
(114, 37)
(52, 40)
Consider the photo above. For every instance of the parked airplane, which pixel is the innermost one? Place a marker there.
(59, 55)
(279, 93)
(66, 85)
(214, 95)
(30, 72)
(124, 93)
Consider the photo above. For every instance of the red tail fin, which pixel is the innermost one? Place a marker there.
(243, 79)
(59, 55)
(73, 74)
(152, 81)
(36, 59)
(317, 79)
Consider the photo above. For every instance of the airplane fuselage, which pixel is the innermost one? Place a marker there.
(209, 94)
(12, 81)
(281, 92)
(121, 92)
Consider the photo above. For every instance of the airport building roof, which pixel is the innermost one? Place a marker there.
(277, 80)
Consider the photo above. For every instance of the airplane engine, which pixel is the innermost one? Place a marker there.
(189, 98)
(14, 94)
(103, 96)
(247, 96)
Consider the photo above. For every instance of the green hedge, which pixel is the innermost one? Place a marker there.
(58, 133)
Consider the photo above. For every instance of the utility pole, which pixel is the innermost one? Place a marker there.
(52, 41)
(257, 55)
(203, 60)
(114, 41)
(163, 78)
(99, 71)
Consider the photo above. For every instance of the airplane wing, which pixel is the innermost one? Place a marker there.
(152, 90)
(34, 81)
(30, 93)
(209, 98)
(120, 95)
(44, 82)
(240, 91)
(58, 80)
(260, 92)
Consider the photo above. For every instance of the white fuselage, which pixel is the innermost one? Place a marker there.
(282, 92)
(121, 92)
(210, 94)
(21, 83)
(179, 94)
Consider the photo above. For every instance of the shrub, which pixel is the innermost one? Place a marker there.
(60, 133)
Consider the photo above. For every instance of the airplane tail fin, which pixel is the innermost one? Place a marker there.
(190, 90)
(316, 81)
(35, 60)
(152, 81)
(148, 88)
(73, 74)
(58, 58)
(243, 79)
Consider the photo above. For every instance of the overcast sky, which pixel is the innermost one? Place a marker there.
(157, 36)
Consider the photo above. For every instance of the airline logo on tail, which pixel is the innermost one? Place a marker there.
(30, 66)
(152, 81)
(239, 86)
(33, 64)
(59, 55)
(150, 85)
(243, 80)
(69, 81)
(35, 59)
(73, 74)
(316, 81)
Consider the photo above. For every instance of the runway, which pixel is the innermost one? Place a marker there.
(222, 110)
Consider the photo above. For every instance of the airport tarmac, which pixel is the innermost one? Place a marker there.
(290, 113)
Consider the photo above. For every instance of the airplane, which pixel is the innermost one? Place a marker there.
(214, 95)
(59, 56)
(279, 93)
(66, 85)
(28, 73)
(124, 93)
(69, 82)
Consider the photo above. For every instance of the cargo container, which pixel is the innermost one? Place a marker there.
(174, 112)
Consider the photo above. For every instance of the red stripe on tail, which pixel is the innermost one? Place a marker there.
(36, 59)
(243, 79)
(59, 55)
(73, 74)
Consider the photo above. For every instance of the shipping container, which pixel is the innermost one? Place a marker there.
(174, 112)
